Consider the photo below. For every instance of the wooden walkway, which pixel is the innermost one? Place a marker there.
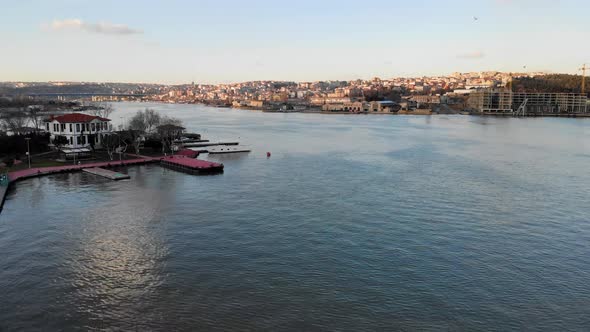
(105, 173)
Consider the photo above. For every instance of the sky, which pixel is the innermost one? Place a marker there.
(218, 41)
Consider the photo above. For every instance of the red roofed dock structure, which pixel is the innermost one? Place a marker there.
(190, 165)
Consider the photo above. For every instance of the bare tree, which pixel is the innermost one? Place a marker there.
(138, 122)
(168, 133)
(134, 138)
(3, 125)
(168, 120)
(145, 121)
(102, 110)
(35, 117)
(15, 121)
(110, 143)
(152, 119)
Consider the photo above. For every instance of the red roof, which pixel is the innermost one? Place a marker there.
(76, 118)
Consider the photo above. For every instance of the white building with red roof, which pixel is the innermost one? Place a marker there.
(81, 130)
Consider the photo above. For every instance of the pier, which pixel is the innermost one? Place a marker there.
(181, 163)
(106, 173)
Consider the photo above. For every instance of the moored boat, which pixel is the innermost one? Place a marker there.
(227, 149)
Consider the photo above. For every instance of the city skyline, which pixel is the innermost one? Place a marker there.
(442, 75)
(179, 42)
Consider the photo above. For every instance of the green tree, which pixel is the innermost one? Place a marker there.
(59, 141)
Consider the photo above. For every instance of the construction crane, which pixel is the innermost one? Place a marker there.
(583, 69)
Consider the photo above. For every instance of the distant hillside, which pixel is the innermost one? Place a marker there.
(74, 88)
(550, 83)
(98, 88)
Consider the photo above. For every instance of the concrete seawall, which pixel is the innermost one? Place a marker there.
(3, 191)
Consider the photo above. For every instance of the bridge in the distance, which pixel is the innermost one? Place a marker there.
(81, 94)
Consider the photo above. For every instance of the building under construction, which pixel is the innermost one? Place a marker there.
(527, 104)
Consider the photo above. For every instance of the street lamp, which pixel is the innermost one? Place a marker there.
(28, 150)
(120, 157)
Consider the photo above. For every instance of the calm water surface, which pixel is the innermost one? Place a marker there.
(354, 223)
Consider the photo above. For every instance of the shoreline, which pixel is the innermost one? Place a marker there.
(420, 113)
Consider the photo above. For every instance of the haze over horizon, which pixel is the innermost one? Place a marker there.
(178, 42)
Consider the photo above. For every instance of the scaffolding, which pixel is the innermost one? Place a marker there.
(551, 103)
(531, 104)
(491, 101)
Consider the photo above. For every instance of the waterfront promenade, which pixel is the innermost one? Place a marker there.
(178, 162)
(34, 172)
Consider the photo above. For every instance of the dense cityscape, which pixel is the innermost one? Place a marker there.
(277, 94)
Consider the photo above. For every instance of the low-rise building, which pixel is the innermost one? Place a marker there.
(425, 99)
(328, 100)
(80, 130)
(353, 107)
(384, 106)
(256, 103)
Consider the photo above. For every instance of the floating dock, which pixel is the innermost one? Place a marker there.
(190, 165)
(106, 173)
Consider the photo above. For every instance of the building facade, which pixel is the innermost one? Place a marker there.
(354, 107)
(80, 130)
(551, 103)
(491, 101)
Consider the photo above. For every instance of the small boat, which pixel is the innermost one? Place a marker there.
(227, 149)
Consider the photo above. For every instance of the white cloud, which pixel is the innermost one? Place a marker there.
(471, 55)
(101, 27)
